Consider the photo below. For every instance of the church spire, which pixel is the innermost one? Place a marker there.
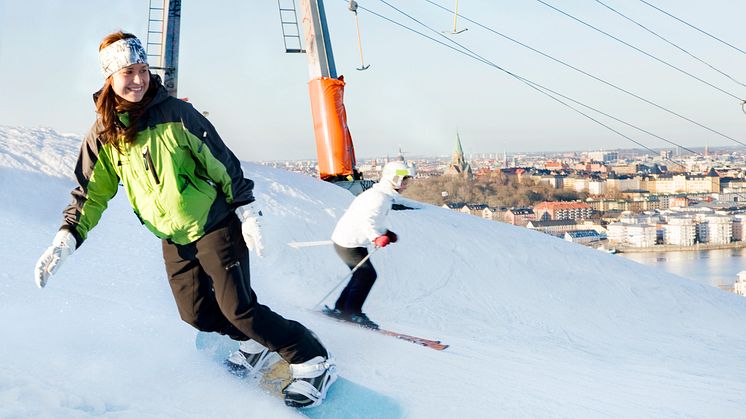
(459, 166)
(458, 151)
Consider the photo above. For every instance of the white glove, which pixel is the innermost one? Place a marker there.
(62, 246)
(251, 227)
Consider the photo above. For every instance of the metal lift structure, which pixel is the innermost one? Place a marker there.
(162, 43)
(334, 148)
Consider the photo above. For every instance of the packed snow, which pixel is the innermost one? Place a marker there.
(538, 327)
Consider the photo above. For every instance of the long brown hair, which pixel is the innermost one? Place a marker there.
(108, 104)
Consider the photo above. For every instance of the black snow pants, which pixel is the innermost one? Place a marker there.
(210, 282)
(354, 294)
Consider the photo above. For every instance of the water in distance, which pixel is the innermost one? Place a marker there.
(718, 268)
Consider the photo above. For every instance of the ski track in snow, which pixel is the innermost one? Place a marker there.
(538, 327)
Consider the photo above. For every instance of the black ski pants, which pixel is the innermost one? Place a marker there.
(354, 294)
(210, 282)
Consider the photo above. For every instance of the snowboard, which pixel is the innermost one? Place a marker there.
(344, 399)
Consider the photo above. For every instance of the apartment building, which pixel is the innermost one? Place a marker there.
(479, 210)
(596, 187)
(715, 229)
(616, 184)
(682, 183)
(630, 217)
(553, 227)
(632, 235)
(680, 231)
(659, 184)
(520, 216)
(580, 184)
(606, 205)
(563, 211)
(739, 227)
(602, 156)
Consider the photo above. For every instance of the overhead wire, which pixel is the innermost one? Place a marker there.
(610, 84)
(413, 30)
(743, 102)
(740, 100)
(545, 90)
(622, 121)
(694, 27)
(669, 42)
(536, 86)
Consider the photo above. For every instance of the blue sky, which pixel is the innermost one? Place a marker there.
(417, 93)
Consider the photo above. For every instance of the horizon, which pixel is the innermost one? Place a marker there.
(414, 155)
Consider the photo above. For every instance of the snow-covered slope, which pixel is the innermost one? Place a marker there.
(538, 327)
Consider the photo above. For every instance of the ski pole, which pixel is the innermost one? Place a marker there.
(346, 277)
(298, 245)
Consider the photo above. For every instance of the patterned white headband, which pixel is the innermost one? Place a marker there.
(120, 54)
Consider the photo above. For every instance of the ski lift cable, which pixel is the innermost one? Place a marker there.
(694, 27)
(551, 95)
(608, 83)
(536, 86)
(556, 93)
(484, 60)
(743, 102)
(669, 42)
(621, 121)
(640, 50)
(541, 89)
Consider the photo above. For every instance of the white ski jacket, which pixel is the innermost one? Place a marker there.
(365, 219)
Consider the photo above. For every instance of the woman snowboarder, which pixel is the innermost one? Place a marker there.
(187, 188)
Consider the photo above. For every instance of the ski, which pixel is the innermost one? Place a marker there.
(428, 343)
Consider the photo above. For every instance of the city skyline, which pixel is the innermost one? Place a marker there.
(413, 155)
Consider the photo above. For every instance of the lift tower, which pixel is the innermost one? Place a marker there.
(162, 44)
(334, 149)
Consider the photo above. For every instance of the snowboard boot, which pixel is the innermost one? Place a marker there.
(250, 358)
(311, 380)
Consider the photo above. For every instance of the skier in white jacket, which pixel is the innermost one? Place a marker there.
(364, 223)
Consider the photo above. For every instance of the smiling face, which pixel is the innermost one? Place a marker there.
(131, 82)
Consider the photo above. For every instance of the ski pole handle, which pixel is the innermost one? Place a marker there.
(346, 277)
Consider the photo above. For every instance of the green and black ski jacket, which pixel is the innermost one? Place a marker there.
(180, 178)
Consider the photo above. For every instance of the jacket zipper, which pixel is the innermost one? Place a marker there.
(148, 160)
(150, 167)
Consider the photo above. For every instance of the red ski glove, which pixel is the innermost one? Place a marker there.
(382, 241)
(392, 236)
